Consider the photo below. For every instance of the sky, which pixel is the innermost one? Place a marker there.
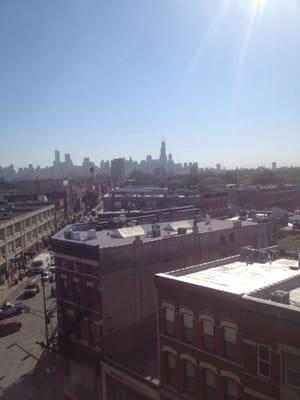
(217, 79)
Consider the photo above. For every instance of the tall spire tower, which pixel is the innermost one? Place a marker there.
(163, 153)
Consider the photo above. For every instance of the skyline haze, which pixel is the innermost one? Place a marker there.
(218, 80)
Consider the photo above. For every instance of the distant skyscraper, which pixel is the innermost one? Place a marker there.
(274, 165)
(117, 170)
(218, 167)
(68, 160)
(163, 154)
(57, 157)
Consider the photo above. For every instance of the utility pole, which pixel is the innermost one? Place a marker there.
(45, 312)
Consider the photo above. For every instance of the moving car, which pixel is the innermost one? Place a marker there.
(32, 288)
(40, 263)
(9, 326)
(46, 275)
(9, 309)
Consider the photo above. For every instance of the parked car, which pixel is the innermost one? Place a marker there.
(52, 259)
(32, 288)
(22, 273)
(9, 309)
(46, 275)
(9, 326)
(52, 269)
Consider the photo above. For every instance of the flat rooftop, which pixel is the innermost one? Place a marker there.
(238, 277)
(18, 210)
(123, 236)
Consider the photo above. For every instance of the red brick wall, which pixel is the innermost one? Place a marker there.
(257, 322)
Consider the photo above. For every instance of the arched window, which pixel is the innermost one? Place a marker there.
(210, 392)
(189, 377)
(171, 362)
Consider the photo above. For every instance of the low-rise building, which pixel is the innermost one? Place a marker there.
(22, 229)
(213, 203)
(265, 197)
(230, 329)
(106, 299)
(56, 191)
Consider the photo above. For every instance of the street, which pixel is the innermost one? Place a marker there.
(19, 352)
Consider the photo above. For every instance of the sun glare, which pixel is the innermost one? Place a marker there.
(259, 4)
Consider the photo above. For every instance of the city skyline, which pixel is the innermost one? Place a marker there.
(161, 164)
(219, 80)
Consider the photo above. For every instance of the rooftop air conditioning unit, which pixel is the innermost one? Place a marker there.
(295, 267)
(76, 235)
(280, 296)
(181, 231)
(156, 230)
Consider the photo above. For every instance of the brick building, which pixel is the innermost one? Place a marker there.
(214, 203)
(266, 197)
(230, 329)
(56, 191)
(22, 230)
(106, 298)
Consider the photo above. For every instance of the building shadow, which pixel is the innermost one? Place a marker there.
(45, 381)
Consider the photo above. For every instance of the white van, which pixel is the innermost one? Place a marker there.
(40, 263)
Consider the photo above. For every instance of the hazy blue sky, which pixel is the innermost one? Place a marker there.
(218, 79)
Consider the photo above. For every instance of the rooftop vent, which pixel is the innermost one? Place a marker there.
(92, 234)
(280, 296)
(156, 230)
(181, 231)
(68, 234)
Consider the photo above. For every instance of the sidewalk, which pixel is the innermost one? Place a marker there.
(7, 290)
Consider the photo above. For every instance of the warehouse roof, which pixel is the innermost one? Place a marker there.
(108, 238)
(236, 276)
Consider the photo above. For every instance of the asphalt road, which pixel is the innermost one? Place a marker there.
(19, 352)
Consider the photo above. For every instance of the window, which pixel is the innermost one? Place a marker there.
(232, 389)
(169, 321)
(232, 237)
(18, 243)
(17, 227)
(187, 320)
(189, 377)
(208, 334)
(263, 354)
(2, 234)
(292, 370)
(76, 292)
(10, 247)
(171, 369)
(210, 385)
(63, 288)
(230, 342)
(91, 332)
(90, 297)
(77, 328)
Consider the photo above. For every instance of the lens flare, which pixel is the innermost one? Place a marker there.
(255, 17)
